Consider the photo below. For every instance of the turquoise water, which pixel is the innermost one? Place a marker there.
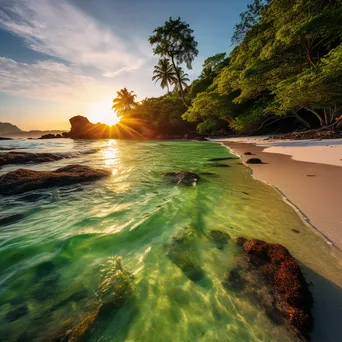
(64, 248)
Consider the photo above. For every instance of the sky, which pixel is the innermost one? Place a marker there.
(61, 58)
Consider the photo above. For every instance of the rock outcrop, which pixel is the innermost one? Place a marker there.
(285, 294)
(182, 177)
(254, 161)
(7, 158)
(23, 180)
(51, 136)
(82, 128)
(182, 251)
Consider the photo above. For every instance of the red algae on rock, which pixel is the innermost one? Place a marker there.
(281, 271)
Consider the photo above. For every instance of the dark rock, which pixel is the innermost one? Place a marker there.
(66, 134)
(23, 180)
(17, 313)
(281, 272)
(248, 154)
(182, 252)
(182, 177)
(51, 136)
(233, 281)
(82, 128)
(27, 158)
(218, 238)
(219, 165)
(295, 231)
(113, 293)
(4, 138)
(10, 219)
(220, 159)
(254, 161)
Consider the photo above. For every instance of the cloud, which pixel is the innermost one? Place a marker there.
(46, 80)
(58, 29)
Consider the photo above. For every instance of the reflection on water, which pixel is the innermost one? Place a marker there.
(62, 244)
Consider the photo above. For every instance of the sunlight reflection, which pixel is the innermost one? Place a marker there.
(111, 154)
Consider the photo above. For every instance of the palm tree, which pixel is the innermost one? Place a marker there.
(165, 73)
(183, 79)
(124, 100)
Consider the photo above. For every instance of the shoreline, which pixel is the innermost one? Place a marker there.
(312, 189)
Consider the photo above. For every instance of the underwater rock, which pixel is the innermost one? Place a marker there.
(218, 238)
(254, 161)
(17, 313)
(220, 159)
(113, 292)
(182, 177)
(7, 158)
(23, 180)
(10, 219)
(234, 281)
(292, 298)
(182, 252)
(248, 154)
(219, 165)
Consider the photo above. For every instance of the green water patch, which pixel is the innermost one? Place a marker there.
(175, 245)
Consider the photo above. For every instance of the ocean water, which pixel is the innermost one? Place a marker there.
(63, 250)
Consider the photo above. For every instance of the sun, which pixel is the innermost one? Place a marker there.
(102, 112)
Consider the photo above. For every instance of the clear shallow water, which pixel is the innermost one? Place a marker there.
(62, 247)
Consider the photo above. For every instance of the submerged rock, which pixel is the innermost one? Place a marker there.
(182, 252)
(182, 177)
(291, 298)
(7, 158)
(220, 159)
(10, 219)
(254, 161)
(23, 180)
(218, 238)
(248, 154)
(219, 165)
(17, 313)
(234, 281)
(113, 292)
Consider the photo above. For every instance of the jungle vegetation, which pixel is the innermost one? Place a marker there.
(286, 63)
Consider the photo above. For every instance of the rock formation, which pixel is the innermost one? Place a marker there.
(182, 177)
(274, 279)
(23, 180)
(7, 158)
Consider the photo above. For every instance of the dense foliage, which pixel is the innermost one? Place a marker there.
(286, 64)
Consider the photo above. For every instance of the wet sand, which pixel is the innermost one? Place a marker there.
(314, 188)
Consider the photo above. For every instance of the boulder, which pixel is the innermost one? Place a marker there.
(248, 153)
(254, 161)
(218, 238)
(27, 158)
(291, 298)
(182, 177)
(23, 180)
(182, 251)
(4, 138)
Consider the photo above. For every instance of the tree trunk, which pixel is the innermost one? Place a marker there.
(301, 120)
(179, 82)
(317, 115)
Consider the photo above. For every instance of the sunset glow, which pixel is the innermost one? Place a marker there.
(102, 112)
